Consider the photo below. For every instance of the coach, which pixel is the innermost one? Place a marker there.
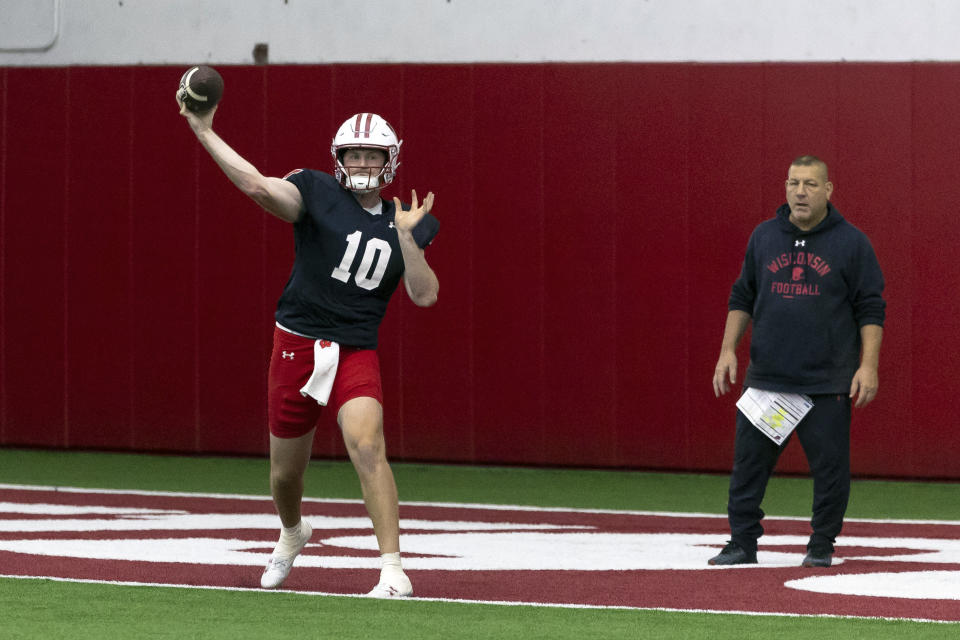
(812, 286)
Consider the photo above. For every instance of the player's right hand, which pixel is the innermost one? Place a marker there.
(198, 121)
(725, 373)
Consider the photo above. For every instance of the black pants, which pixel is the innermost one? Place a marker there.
(824, 434)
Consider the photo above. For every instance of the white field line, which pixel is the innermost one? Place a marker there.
(454, 505)
(484, 602)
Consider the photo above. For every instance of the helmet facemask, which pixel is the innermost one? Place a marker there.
(361, 179)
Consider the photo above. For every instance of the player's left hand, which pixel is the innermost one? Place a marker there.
(864, 386)
(407, 220)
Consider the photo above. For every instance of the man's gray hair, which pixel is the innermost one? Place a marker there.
(811, 161)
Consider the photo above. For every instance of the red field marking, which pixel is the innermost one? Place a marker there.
(483, 553)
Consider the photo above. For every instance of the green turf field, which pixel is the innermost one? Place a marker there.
(46, 609)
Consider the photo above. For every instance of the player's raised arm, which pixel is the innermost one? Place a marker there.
(275, 195)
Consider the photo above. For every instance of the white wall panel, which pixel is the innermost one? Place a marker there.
(122, 32)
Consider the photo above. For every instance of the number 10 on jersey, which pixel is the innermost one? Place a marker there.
(373, 264)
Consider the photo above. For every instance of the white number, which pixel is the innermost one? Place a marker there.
(375, 259)
(376, 256)
(342, 272)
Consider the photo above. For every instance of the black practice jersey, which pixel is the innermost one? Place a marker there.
(348, 263)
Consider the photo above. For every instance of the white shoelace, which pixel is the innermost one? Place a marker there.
(278, 564)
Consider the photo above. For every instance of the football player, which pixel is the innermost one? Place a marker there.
(352, 249)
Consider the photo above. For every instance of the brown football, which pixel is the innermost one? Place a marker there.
(201, 88)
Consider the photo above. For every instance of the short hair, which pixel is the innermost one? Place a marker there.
(811, 161)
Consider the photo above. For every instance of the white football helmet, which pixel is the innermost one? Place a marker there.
(366, 131)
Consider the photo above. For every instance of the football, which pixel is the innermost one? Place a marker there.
(201, 88)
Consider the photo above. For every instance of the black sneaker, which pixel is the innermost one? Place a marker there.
(817, 557)
(733, 554)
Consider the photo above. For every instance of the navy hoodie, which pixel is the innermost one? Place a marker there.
(808, 293)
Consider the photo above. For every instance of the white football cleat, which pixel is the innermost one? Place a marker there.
(278, 566)
(398, 587)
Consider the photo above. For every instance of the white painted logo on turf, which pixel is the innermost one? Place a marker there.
(458, 545)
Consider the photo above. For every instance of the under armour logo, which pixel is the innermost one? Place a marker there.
(799, 243)
(391, 224)
(287, 355)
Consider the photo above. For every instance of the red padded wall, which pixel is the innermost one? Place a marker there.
(232, 308)
(34, 195)
(508, 387)
(869, 155)
(593, 219)
(164, 253)
(928, 439)
(652, 283)
(580, 191)
(434, 358)
(97, 257)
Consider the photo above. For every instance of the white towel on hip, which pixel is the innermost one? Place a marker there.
(326, 355)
